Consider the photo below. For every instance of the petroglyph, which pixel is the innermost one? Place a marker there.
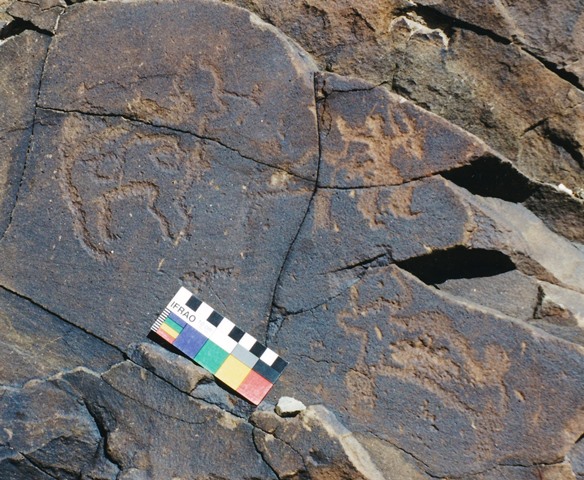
(179, 100)
(367, 150)
(423, 350)
(105, 162)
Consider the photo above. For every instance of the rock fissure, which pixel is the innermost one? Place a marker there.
(436, 19)
(189, 394)
(427, 468)
(566, 143)
(261, 454)
(273, 327)
(457, 262)
(569, 77)
(323, 360)
(172, 129)
(18, 26)
(59, 317)
(488, 176)
(104, 433)
(382, 185)
(378, 261)
(150, 407)
(381, 260)
(304, 253)
(38, 466)
(446, 23)
(534, 126)
(273, 434)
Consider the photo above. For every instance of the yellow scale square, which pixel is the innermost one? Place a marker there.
(173, 333)
(232, 372)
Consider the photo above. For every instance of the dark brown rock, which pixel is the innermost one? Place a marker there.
(393, 357)
(314, 444)
(348, 231)
(153, 429)
(371, 137)
(457, 60)
(366, 328)
(520, 108)
(45, 427)
(197, 84)
(534, 249)
(576, 457)
(173, 368)
(36, 343)
(343, 36)
(561, 212)
(551, 31)
(43, 14)
(426, 290)
(512, 293)
(560, 471)
(124, 200)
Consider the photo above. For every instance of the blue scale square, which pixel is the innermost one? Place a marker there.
(176, 319)
(190, 341)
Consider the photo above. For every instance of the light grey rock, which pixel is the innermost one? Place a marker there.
(289, 407)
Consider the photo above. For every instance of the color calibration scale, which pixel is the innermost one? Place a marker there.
(214, 342)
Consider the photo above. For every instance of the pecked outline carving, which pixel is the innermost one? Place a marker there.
(112, 161)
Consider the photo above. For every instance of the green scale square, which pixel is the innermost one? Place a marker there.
(172, 324)
(211, 356)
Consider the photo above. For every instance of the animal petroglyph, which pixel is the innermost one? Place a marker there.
(424, 350)
(107, 163)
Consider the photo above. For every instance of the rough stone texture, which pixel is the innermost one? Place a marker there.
(18, 90)
(576, 457)
(550, 31)
(175, 369)
(36, 343)
(456, 59)
(166, 427)
(310, 444)
(512, 293)
(389, 143)
(560, 471)
(5, 19)
(125, 197)
(420, 361)
(197, 85)
(394, 463)
(42, 14)
(43, 426)
(391, 224)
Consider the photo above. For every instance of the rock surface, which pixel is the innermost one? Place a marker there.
(509, 72)
(18, 89)
(370, 189)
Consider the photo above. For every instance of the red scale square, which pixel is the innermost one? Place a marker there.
(254, 387)
(166, 336)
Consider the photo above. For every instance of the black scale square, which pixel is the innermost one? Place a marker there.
(194, 303)
(279, 364)
(266, 371)
(236, 334)
(258, 349)
(215, 319)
